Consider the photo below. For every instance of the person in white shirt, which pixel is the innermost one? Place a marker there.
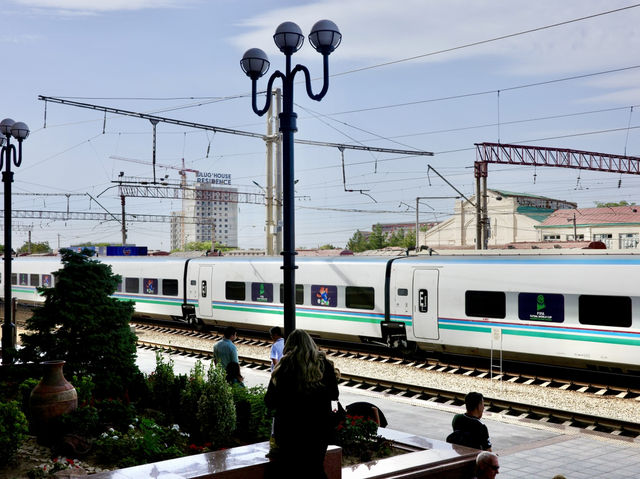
(277, 347)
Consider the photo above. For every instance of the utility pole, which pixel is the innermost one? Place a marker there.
(124, 224)
(575, 227)
(269, 186)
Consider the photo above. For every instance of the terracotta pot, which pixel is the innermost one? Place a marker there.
(53, 396)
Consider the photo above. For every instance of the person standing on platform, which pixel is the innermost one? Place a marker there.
(467, 428)
(487, 466)
(300, 391)
(224, 351)
(277, 347)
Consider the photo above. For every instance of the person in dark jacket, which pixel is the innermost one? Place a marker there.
(300, 391)
(467, 428)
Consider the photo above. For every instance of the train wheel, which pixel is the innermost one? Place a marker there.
(194, 322)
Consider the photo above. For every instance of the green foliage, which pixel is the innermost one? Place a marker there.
(189, 398)
(84, 421)
(166, 389)
(144, 441)
(216, 410)
(24, 391)
(327, 246)
(13, 430)
(357, 436)
(253, 420)
(358, 242)
(82, 324)
(84, 388)
(35, 248)
(613, 203)
(377, 238)
(115, 413)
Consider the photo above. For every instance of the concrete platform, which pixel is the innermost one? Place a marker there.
(525, 448)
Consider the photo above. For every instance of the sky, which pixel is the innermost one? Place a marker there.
(425, 75)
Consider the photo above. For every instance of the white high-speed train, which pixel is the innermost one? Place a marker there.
(579, 310)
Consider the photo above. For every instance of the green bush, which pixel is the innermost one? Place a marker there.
(166, 389)
(114, 413)
(24, 391)
(13, 430)
(253, 419)
(143, 442)
(84, 388)
(357, 436)
(189, 398)
(83, 421)
(216, 410)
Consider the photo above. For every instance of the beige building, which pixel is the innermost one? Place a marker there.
(512, 218)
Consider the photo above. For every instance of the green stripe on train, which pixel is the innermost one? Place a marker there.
(548, 335)
(304, 314)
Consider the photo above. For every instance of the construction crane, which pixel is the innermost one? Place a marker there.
(183, 183)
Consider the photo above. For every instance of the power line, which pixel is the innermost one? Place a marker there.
(482, 42)
(486, 92)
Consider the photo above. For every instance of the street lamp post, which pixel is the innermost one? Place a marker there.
(20, 132)
(325, 38)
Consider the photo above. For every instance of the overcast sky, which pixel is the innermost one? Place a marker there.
(435, 76)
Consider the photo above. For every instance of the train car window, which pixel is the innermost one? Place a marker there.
(170, 287)
(326, 296)
(34, 279)
(403, 292)
(47, 281)
(299, 293)
(423, 300)
(14, 278)
(132, 285)
(193, 282)
(150, 286)
(605, 310)
(541, 307)
(262, 292)
(485, 304)
(235, 290)
(359, 297)
(24, 279)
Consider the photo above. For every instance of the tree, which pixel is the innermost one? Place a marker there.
(327, 246)
(613, 203)
(377, 239)
(358, 242)
(42, 247)
(83, 325)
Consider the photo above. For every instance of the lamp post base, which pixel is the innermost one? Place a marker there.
(8, 343)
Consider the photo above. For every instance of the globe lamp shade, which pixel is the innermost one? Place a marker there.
(325, 36)
(254, 63)
(288, 38)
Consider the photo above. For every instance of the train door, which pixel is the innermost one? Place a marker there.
(205, 275)
(425, 304)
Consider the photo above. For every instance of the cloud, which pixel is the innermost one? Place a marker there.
(378, 31)
(98, 6)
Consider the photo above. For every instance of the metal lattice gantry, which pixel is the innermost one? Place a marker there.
(82, 215)
(554, 157)
(538, 156)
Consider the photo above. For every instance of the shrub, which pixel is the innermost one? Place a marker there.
(83, 421)
(13, 430)
(166, 389)
(253, 419)
(143, 442)
(24, 391)
(189, 398)
(357, 436)
(84, 388)
(216, 410)
(114, 413)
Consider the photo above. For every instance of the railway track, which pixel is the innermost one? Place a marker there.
(516, 410)
(567, 380)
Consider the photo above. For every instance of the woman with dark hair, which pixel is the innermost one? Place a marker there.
(300, 391)
(233, 374)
